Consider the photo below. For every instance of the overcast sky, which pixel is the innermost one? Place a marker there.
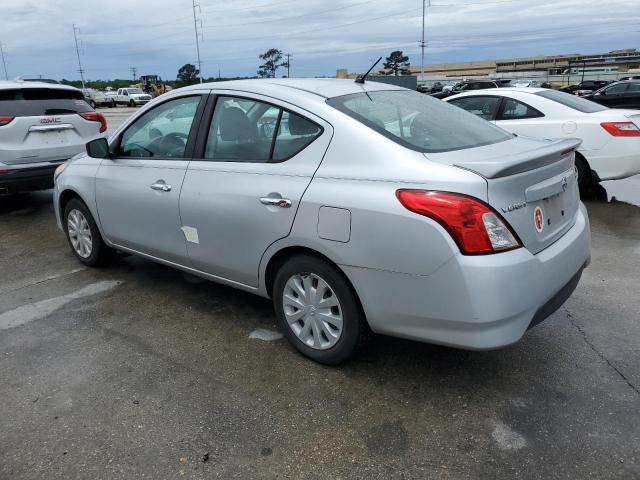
(158, 36)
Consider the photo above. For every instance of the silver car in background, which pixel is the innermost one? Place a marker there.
(41, 126)
(351, 206)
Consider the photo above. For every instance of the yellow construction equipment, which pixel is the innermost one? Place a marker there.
(153, 85)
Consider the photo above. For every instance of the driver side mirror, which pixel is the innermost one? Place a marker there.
(98, 148)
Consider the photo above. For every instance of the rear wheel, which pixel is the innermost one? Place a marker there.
(585, 181)
(317, 309)
(84, 237)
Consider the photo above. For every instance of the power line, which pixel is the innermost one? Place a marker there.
(195, 26)
(75, 37)
(4, 63)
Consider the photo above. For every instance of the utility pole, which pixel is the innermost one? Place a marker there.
(195, 26)
(75, 37)
(4, 63)
(134, 70)
(288, 55)
(422, 42)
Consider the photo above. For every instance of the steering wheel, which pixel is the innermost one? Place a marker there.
(171, 145)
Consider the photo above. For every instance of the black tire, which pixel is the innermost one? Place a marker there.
(353, 321)
(93, 104)
(585, 179)
(132, 103)
(101, 254)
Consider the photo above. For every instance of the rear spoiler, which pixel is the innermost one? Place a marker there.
(522, 162)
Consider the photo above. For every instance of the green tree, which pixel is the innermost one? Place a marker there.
(271, 63)
(397, 63)
(187, 75)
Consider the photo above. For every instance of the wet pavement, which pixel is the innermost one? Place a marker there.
(135, 371)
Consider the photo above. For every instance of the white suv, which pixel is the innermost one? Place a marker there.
(41, 126)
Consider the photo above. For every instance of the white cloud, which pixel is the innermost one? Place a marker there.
(158, 37)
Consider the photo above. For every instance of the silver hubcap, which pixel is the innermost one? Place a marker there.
(79, 233)
(312, 310)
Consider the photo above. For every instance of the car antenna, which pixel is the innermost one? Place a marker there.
(360, 78)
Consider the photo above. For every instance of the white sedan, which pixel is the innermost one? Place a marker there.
(610, 137)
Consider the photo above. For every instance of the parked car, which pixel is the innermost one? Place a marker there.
(610, 146)
(585, 85)
(618, 95)
(131, 97)
(41, 126)
(470, 85)
(96, 98)
(376, 205)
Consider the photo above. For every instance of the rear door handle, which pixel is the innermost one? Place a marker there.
(276, 202)
(161, 185)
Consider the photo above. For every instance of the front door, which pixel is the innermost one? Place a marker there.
(138, 190)
(244, 185)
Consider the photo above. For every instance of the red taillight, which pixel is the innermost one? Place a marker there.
(5, 120)
(474, 225)
(96, 117)
(622, 129)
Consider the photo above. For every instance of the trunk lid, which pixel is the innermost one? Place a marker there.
(531, 183)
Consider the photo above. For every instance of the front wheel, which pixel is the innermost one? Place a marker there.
(317, 309)
(84, 237)
(132, 103)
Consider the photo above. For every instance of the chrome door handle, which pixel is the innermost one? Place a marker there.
(276, 202)
(161, 185)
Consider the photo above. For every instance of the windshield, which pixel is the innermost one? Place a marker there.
(134, 90)
(571, 101)
(419, 121)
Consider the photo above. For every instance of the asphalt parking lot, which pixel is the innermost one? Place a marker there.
(135, 371)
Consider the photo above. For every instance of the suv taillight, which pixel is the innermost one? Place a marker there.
(621, 129)
(96, 117)
(476, 227)
(5, 120)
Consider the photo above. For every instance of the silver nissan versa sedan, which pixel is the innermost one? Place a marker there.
(351, 205)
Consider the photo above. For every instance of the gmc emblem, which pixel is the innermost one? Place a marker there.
(48, 120)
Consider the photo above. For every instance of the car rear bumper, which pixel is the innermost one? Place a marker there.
(24, 178)
(618, 159)
(476, 302)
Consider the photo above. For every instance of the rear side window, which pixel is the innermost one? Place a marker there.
(245, 130)
(513, 109)
(617, 88)
(572, 101)
(634, 87)
(418, 121)
(482, 106)
(35, 102)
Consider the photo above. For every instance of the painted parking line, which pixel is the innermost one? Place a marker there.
(34, 311)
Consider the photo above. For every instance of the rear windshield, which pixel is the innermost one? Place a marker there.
(572, 101)
(32, 102)
(418, 121)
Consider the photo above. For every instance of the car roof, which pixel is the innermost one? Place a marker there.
(323, 87)
(13, 84)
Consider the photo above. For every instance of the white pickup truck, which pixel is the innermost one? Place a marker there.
(131, 97)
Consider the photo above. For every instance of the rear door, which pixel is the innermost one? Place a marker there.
(138, 190)
(631, 97)
(522, 119)
(43, 125)
(254, 159)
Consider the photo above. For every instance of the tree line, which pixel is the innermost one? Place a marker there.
(395, 64)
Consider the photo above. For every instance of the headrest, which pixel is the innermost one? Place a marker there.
(236, 126)
(301, 126)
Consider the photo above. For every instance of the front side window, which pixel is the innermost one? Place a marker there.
(483, 107)
(419, 122)
(161, 132)
(617, 88)
(513, 109)
(244, 130)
